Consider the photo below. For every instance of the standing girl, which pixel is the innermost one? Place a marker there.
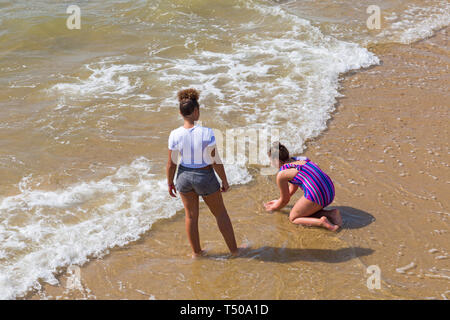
(196, 147)
(319, 190)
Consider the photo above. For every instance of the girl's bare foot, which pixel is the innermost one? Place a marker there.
(199, 254)
(335, 217)
(326, 224)
(239, 251)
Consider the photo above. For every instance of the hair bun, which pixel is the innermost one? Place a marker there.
(188, 94)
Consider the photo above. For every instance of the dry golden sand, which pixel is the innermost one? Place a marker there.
(386, 149)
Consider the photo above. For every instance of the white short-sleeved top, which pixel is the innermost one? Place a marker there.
(192, 143)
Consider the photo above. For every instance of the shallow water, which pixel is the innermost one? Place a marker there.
(85, 114)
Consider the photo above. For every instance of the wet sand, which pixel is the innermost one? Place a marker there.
(386, 150)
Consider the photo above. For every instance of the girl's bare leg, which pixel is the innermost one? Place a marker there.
(190, 202)
(215, 204)
(303, 210)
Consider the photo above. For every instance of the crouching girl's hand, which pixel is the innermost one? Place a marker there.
(272, 205)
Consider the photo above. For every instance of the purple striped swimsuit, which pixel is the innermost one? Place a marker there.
(316, 184)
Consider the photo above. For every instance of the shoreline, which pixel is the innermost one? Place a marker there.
(371, 149)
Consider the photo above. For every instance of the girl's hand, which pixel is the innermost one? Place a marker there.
(271, 205)
(172, 190)
(225, 186)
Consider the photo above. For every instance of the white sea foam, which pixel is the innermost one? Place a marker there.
(416, 23)
(110, 212)
(108, 79)
(129, 201)
(293, 74)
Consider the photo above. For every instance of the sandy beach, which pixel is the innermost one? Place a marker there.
(386, 149)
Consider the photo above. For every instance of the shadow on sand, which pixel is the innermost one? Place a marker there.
(285, 255)
(352, 218)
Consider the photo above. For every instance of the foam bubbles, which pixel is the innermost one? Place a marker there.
(107, 80)
(127, 203)
(416, 23)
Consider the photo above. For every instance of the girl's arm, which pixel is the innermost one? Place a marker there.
(171, 167)
(219, 168)
(283, 178)
(292, 189)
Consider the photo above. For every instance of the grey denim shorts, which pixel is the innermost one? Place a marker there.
(202, 181)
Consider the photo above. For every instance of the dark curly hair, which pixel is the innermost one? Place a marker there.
(188, 99)
(277, 149)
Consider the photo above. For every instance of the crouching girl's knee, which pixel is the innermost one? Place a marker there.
(292, 218)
